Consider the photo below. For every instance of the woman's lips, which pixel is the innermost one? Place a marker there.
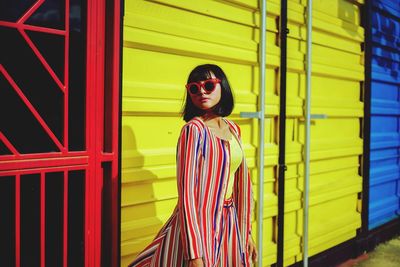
(202, 100)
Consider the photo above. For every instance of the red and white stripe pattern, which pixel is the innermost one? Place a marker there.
(204, 224)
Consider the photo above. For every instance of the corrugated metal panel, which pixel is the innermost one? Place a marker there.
(384, 200)
(336, 145)
(163, 41)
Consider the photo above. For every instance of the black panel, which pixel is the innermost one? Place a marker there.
(77, 76)
(52, 47)
(282, 135)
(7, 221)
(76, 222)
(77, 15)
(366, 120)
(11, 10)
(107, 217)
(18, 124)
(54, 218)
(51, 14)
(30, 220)
(3, 149)
(108, 75)
(33, 79)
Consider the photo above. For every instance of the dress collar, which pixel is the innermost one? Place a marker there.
(230, 125)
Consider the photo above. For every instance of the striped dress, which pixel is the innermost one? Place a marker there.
(204, 224)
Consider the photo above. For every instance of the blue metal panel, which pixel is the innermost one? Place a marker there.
(384, 193)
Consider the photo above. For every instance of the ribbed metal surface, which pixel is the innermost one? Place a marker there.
(384, 195)
(163, 41)
(335, 143)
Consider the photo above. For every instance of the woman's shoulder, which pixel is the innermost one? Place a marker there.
(195, 124)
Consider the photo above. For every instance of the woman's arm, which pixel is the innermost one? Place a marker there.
(187, 158)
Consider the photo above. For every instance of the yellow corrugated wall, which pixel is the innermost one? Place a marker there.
(336, 142)
(163, 41)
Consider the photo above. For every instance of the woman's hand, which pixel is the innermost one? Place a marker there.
(252, 249)
(196, 263)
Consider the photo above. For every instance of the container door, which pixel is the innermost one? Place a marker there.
(163, 42)
(336, 141)
(384, 194)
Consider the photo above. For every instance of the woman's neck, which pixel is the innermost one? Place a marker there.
(212, 120)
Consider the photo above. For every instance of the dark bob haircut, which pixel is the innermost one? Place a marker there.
(225, 105)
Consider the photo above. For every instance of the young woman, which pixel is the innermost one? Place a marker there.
(211, 224)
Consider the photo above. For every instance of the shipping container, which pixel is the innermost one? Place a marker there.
(384, 190)
(163, 42)
(336, 113)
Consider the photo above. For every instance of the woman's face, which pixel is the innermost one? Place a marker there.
(206, 100)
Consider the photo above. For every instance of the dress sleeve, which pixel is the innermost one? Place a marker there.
(187, 175)
(243, 199)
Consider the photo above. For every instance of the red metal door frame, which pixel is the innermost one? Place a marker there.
(99, 44)
(100, 163)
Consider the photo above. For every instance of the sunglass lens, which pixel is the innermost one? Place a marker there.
(193, 89)
(209, 86)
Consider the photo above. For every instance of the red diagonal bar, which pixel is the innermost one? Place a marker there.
(8, 144)
(42, 59)
(42, 220)
(31, 27)
(43, 29)
(32, 109)
(30, 11)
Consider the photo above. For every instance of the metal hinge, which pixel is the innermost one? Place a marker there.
(256, 115)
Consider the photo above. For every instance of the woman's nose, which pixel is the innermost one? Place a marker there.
(202, 90)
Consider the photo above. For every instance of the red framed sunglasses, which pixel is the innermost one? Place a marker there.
(208, 85)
